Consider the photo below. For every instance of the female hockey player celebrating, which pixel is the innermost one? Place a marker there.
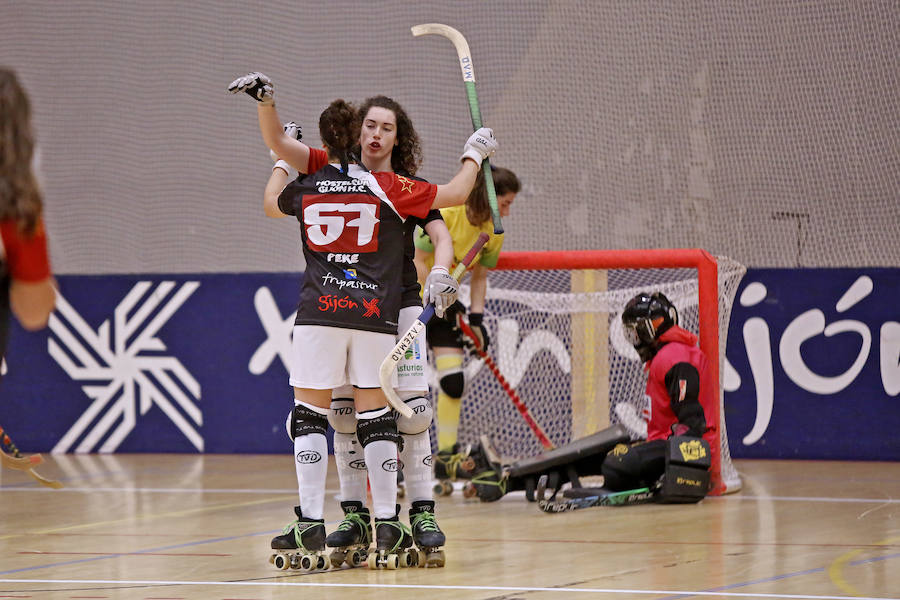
(349, 328)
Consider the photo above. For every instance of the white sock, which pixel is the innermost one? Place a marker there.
(311, 463)
(417, 470)
(351, 467)
(381, 458)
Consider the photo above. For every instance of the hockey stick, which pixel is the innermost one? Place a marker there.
(468, 73)
(389, 364)
(628, 497)
(516, 400)
(15, 460)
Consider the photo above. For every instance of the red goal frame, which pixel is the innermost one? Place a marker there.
(693, 258)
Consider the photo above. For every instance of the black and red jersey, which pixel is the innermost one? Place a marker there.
(353, 229)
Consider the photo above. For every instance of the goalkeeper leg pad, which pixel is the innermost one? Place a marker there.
(686, 479)
(561, 465)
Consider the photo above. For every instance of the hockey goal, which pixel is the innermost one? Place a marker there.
(556, 337)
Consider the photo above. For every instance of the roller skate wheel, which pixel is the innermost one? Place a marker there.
(321, 563)
(307, 562)
(281, 562)
(357, 558)
(443, 488)
(435, 559)
(392, 562)
(337, 558)
(272, 559)
(401, 491)
(373, 561)
(407, 559)
(470, 491)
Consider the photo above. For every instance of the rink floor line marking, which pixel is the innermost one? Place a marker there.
(157, 490)
(471, 588)
(142, 517)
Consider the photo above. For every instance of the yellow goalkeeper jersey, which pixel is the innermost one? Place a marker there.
(464, 235)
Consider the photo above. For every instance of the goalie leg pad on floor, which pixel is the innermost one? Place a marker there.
(686, 479)
(564, 464)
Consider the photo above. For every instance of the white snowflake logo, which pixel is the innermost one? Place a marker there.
(132, 382)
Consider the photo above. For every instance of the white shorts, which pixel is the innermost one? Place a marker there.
(412, 370)
(323, 358)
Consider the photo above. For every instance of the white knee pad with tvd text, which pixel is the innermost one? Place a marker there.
(421, 418)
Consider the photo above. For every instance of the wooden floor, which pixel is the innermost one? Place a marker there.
(187, 526)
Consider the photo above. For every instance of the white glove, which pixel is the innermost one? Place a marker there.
(480, 145)
(440, 288)
(291, 129)
(257, 86)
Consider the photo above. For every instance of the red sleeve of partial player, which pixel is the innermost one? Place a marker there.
(26, 257)
(410, 197)
(318, 158)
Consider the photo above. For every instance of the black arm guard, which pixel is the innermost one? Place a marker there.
(683, 384)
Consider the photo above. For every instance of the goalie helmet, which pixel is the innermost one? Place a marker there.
(645, 318)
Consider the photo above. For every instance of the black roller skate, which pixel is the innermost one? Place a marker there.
(426, 534)
(301, 545)
(352, 538)
(457, 463)
(489, 481)
(393, 540)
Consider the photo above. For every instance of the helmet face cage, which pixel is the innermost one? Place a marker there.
(646, 317)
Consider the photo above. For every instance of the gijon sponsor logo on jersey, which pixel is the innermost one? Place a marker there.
(333, 303)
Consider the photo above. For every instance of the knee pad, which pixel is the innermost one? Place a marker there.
(382, 427)
(306, 421)
(342, 415)
(420, 420)
(621, 468)
(450, 375)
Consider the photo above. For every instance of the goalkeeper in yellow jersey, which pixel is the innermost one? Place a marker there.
(444, 337)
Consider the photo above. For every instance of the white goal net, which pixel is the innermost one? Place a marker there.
(556, 338)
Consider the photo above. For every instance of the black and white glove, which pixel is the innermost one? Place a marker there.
(257, 86)
(291, 129)
(480, 145)
(441, 289)
(476, 322)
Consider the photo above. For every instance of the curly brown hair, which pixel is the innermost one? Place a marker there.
(407, 155)
(339, 126)
(478, 209)
(20, 194)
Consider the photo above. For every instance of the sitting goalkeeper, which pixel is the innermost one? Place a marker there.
(677, 408)
(677, 404)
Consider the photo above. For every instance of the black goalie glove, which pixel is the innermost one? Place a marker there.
(476, 322)
(257, 86)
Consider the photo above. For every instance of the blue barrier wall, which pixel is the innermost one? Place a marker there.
(198, 363)
(814, 356)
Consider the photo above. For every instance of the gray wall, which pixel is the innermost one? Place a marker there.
(765, 131)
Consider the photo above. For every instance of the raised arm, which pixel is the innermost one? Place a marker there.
(479, 146)
(259, 87)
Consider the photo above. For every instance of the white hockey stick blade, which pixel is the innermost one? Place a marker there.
(389, 364)
(459, 42)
